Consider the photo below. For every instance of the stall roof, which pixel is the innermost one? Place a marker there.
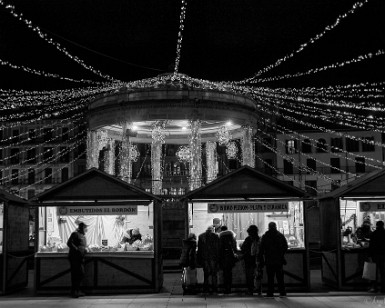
(371, 184)
(94, 185)
(246, 183)
(6, 196)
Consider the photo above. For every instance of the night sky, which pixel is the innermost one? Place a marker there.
(222, 40)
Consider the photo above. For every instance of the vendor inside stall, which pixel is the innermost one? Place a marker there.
(107, 232)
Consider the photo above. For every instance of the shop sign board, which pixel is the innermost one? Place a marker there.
(377, 206)
(244, 207)
(98, 210)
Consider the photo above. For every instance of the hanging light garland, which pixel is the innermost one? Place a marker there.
(328, 28)
(180, 35)
(11, 9)
(134, 153)
(184, 154)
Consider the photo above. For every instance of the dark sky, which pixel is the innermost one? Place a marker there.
(222, 40)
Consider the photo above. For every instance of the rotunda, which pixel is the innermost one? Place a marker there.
(192, 116)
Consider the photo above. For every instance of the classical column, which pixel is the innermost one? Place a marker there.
(92, 149)
(196, 159)
(211, 161)
(125, 158)
(156, 153)
(110, 157)
(248, 150)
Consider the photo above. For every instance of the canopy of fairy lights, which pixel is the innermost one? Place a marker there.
(190, 110)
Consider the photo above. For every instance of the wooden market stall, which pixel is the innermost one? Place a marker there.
(343, 212)
(109, 207)
(14, 236)
(247, 196)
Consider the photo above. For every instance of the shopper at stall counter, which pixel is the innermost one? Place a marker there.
(377, 255)
(208, 257)
(363, 233)
(272, 254)
(227, 256)
(77, 244)
(250, 250)
(131, 236)
(188, 256)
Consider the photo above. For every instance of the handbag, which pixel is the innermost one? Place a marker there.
(190, 276)
(200, 275)
(369, 271)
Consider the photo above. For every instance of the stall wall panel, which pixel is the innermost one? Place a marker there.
(55, 267)
(18, 228)
(294, 270)
(329, 268)
(352, 269)
(17, 272)
(122, 272)
(330, 220)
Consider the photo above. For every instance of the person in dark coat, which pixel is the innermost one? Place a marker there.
(208, 256)
(377, 254)
(250, 249)
(272, 254)
(77, 244)
(188, 256)
(131, 236)
(227, 250)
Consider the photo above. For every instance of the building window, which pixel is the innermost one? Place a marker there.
(15, 176)
(360, 165)
(352, 145)
(311, 187)
(31, 193)
(321, 146)
(335, 165)
(336, 145)
(291, 146)
(48, 176)
(311, 164)
(173, 191)
(32, 135)
(268, 166)
(31, 176)
(15, 156)
(47, 135)
(64, 155)
(47, 154)
(269, 145)
(15, 135)
(368, 146)
(64, 174)
(287, 167)
(31, 156)
(306, 146)
(64, 134)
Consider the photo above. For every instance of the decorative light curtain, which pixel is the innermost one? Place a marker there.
(156, 152)
(211, 159)
(110, 157)
(92, 150)
(248, 150)
(125, 157)
(196, 159)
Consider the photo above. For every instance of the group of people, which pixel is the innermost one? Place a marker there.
(217, 250)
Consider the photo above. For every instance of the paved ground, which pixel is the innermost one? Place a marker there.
(172, 296)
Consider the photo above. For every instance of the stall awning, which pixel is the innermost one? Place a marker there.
(368, 185)
(94, 185)
(6, 196)
(246, 183)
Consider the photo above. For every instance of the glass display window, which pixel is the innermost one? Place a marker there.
(238, 216)
(115, 228)
(358, 221)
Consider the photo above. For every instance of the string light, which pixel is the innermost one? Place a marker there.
(311, 41)
(182, 17)
(28, 23)
(183, 153)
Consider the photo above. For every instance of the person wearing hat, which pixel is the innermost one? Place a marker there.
(131, 236)
(208, 257)
(77, 245)
(217, 225)
(364, 231)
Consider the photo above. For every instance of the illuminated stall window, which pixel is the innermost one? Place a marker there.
(238, 216)
(107, 226)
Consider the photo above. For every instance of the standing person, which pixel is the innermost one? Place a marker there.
(227, 249)
(208, 255)
(77, 244)
(272, 253)
(131, 235)
(250, 250)
(377, 254)
(188, 256)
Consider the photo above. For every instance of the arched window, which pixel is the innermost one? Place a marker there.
(306, 146)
